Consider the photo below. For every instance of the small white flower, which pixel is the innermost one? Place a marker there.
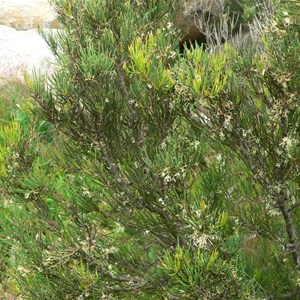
(196, 143)
(274, 212)
(222, 136)
(169, 25)
(167, 179)
(287, 142)
(119, 228)
(86, 192)
(198, 213)
(16, 155)
(172, 54)
(219, 157)
(161, 201)
(287, 21)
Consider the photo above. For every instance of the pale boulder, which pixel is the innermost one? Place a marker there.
(27, 14)
(21, 52)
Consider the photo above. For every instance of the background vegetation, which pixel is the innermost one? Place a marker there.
(139, 172)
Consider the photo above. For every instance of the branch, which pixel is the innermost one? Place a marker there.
(132, 113)
(289, 226)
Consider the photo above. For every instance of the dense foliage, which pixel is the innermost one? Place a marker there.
(138, 172)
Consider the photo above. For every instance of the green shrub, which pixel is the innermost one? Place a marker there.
(137, 172)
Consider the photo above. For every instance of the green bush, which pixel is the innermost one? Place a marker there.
(138, 172)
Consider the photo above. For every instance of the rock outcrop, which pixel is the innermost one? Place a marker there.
(22, 51)
(197, 19)
(188, 18)
(27, 14)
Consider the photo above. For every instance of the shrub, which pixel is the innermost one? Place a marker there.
(149, 174)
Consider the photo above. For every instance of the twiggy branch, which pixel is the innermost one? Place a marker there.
(114, 170)
(169, 222)
(281, 200)
(132, 113)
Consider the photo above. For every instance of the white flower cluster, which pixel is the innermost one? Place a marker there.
(220, 159)
(287, 143)
(119, 228)
(7, 202)
(170, 28)
(86, 192)
(169, 176)
(201, 240)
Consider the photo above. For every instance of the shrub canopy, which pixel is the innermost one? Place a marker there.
(138, 172)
